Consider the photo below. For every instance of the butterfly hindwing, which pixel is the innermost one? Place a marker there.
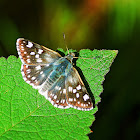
(34, 54)
(77, 95)
(57, 94)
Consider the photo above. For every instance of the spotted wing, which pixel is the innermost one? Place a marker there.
(76, 93)
(57, 94)
(31, 53)
(36, 75)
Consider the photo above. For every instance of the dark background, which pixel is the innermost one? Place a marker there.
(100, 24)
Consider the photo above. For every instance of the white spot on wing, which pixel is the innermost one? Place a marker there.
(39, 60)
(29, 76)
(78, 87)
(33, 78)
(28, 82)
(28, 60)
(77, 95)
(57, 87)
(55, 105)
(63, 101)
(85, 97)
(37, 56)
(28, 71)
(70, 99)
(30, 44)
(55, 97)
(41, 72)
(70, 79)
(74, 90)
(40, 51)
(64, 90)
(32, 53)
(70, 89)
(38, 67)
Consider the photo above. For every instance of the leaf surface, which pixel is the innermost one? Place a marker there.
(25, 114)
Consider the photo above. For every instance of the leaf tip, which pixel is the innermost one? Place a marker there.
(115, 51)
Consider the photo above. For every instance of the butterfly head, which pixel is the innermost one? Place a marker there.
(70, 56)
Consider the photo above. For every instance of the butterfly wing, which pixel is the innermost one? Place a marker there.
(69, 91)
(57, 94)
(36, 75)
(76, 93)
(31, 53)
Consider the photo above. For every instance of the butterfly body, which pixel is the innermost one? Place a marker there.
(53, 75)
(60, 68)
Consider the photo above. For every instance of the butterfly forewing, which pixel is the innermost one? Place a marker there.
(36, 75)
(77, 95)
(35, 54)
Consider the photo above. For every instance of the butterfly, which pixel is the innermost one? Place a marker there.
(53, 75)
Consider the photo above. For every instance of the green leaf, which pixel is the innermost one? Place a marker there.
(25, 114)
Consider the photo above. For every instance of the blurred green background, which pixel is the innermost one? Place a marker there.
(100, 24)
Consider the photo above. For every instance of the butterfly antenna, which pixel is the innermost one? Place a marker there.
(65, 43)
